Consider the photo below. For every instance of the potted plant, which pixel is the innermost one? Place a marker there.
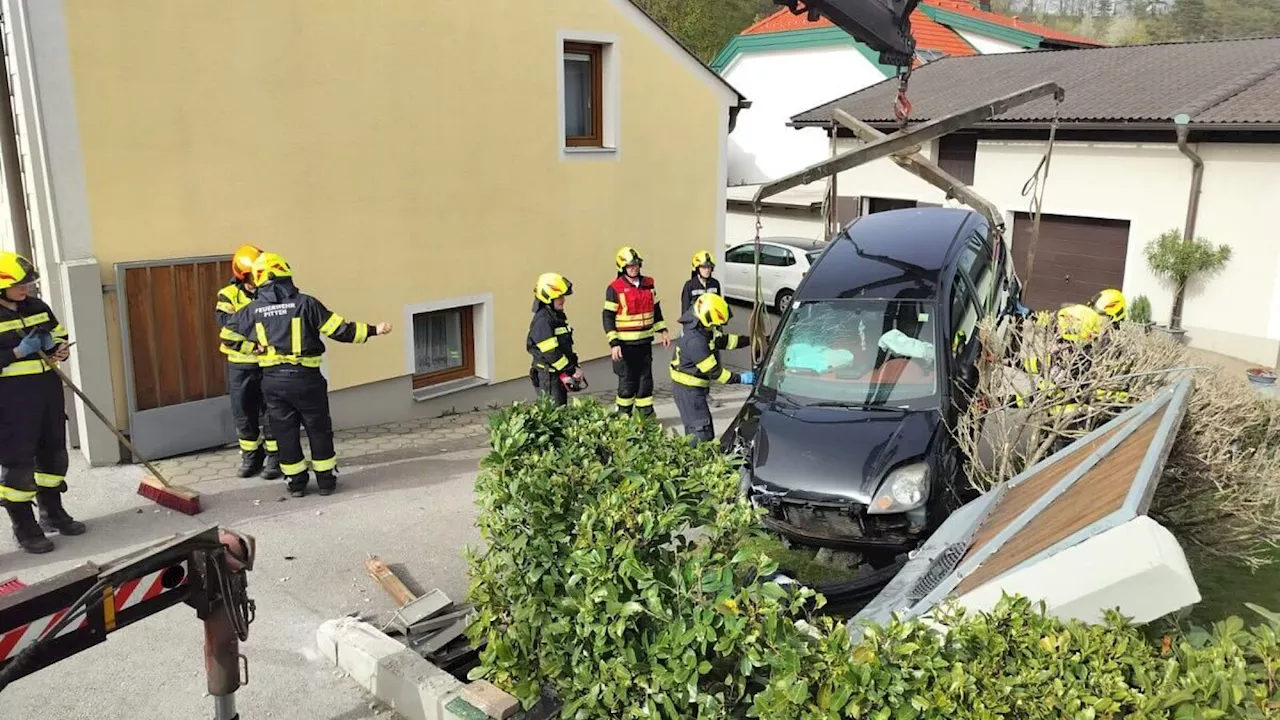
(1177, 260)
(1140, 312)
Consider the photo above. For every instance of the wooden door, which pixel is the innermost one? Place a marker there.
(174, 372)
(1075, 258)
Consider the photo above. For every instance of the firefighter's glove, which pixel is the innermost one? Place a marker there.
(29, 345)
(48, 344)
(748, 377)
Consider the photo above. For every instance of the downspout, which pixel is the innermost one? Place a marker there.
(11, 161)
(1182, 126)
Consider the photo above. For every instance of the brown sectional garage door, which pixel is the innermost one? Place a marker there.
(1075, 258)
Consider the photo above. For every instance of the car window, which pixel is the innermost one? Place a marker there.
(856, 352)
(812, 256)
(775, 256)
(964, 316)
(975, 264)
(741, 254)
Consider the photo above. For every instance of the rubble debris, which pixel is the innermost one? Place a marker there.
(485, 696)
(430, 624)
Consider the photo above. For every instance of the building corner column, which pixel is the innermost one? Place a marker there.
(91, 361)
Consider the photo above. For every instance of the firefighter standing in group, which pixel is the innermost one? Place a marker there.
(550, 341)
(632, 316)
(289, 328)
(700, 281)
(696, 364)
(33, 430)
(258, 450)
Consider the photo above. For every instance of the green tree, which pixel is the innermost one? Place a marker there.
(704, 26)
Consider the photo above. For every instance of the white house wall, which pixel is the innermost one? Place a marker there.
(1236, 312)
(988, 45)
(781, 84)
(741, 226)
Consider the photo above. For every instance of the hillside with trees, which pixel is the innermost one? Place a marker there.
(705, 26)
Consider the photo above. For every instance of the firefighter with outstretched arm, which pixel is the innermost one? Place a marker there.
(289, 328)
(632, 316)
(33, 419)
(696, 364)
(258, 450)
(550, 341)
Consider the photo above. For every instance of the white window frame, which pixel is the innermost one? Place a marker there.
(482, 316)
(611, 92)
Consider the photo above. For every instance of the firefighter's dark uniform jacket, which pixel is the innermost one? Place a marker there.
(632, 311)
(694, 288)
(33, 436)
(696, 362)
(550, 344)
(244, 375)
(290, 327)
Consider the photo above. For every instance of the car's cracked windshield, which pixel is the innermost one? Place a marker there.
(861, 352)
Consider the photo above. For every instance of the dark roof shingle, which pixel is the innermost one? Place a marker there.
(1224, 81)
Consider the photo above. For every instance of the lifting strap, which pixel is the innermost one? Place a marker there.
(756, 329)
(1035, 188)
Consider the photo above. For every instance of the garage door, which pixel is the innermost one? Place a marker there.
(1075, 258)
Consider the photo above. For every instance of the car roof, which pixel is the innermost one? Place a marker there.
(896, 253)
(799, 243)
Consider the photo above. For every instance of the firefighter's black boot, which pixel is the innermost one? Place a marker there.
(271, 470)
(251, 463)
(54, 517)
(298, 484)
(26, 530)
(327, 482)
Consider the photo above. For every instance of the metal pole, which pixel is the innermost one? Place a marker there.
(901, 140)
(222, 661)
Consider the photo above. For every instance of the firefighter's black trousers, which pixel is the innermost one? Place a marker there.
(695, 412)
(635, 378)
(548, 383)
(249, 408)
(298, 397)
(33, 437)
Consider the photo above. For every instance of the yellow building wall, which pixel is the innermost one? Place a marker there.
(394, 151)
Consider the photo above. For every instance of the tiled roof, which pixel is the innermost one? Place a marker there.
(967, 8)
(929, 34)
(1222, 81)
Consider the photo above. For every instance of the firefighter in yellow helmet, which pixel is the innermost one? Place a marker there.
(700, 281)
(258, 450)
(632, 317)
(289, 328)
(1110, 302)
(550, 341)
(696, 364)
(33, 431)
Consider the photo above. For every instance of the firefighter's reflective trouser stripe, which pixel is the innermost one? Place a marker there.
(695, 412)
(248, 408)
(33, 436)
(635, 379)
(297, 399)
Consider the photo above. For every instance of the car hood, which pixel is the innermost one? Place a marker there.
(830, 454)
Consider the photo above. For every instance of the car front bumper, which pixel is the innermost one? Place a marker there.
(839, 525)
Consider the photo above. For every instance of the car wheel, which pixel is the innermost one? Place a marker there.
(783, 300)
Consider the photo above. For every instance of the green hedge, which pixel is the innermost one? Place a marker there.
(592, 587)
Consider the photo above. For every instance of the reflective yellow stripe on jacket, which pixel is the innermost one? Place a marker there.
(242, 354)
(272, 358)
(24, 367)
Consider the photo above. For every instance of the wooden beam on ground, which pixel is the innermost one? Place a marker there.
(382, 575)
(913, 162)
(901, 140)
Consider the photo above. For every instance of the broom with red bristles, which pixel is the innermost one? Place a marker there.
(153, 487)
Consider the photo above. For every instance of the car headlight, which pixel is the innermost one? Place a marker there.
(906, 488)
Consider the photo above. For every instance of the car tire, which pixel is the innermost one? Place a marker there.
(784, 298)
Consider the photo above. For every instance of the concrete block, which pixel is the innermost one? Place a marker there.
(494, 702)
(459, 709)
(356, 647)
(414, 687)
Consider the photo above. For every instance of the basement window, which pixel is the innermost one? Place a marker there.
(444, 347)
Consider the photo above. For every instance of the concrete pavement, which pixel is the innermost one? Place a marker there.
(405, 495)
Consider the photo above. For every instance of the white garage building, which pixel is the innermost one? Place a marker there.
(1118, 177)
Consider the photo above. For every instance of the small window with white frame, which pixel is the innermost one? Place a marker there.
(588, 94)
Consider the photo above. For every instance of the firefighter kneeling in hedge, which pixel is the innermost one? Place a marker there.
(696, 364)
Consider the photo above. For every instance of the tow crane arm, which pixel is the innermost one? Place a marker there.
(71, 612)
(883, 25)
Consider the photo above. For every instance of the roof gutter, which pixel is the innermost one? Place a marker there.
(1182, 126)
(1065, 125)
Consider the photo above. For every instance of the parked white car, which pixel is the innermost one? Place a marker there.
(783, 264)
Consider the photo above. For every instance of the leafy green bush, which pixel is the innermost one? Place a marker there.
(1140, 310)
(590, 588)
